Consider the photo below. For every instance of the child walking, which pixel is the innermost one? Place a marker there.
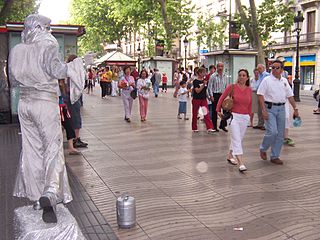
(164, 82)
(183, 94)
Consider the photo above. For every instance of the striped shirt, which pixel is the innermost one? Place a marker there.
(217, 84)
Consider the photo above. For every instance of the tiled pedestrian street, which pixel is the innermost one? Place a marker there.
(182, 183)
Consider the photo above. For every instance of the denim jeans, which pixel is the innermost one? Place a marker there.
(274, 135)
(156, 89)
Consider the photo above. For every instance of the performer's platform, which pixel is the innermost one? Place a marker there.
(30, 226)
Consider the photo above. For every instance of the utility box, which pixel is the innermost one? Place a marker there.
(165, 65)
(233, 61)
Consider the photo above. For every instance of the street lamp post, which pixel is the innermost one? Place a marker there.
(139, 55)
(185, 43)
(298, 19)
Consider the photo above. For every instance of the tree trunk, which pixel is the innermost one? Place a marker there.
(245, 21)
(5, 10)
(166, 23)
(252, 30)
(256, 38)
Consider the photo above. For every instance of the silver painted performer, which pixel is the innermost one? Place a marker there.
(34, 66)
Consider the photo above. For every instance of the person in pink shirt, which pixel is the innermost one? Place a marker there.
(241, 110)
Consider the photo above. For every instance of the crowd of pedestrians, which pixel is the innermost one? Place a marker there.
(266, 94)
(207, 91)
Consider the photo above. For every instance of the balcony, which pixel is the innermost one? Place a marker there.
(308, 3)
(306, 40)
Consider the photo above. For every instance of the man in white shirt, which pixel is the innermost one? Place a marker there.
(273, 93)
(216, 86)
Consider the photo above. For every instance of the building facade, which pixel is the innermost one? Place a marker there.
(309, 59)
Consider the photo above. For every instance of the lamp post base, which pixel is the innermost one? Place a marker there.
(296, 89)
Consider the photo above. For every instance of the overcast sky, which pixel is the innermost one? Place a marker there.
(57, 10)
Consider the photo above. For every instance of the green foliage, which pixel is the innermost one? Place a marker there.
(19, 10)
(211, 33)
(272, 16)
(111, 20)
(101, 25)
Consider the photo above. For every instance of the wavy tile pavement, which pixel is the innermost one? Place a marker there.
(182, 184)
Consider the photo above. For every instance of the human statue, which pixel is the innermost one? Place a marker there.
(34, 67)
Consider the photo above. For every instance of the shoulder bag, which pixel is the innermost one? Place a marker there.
(227, 103)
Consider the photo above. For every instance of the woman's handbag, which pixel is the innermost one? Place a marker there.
(227, 103)
(133, 93)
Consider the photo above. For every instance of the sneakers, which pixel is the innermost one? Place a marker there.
(211, 131)
(77, 143)
(195, 131)
(242, 168)
(288, 142)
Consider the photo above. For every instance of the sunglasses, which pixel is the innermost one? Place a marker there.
(277, 68)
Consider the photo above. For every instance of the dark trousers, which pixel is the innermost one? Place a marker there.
(103, 86)
(164, 87)
(67, 125)
(108, 88)
(214, 116)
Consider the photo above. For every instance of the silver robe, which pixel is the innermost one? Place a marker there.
(35, 67)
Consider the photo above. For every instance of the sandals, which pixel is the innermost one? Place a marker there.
(232, 161)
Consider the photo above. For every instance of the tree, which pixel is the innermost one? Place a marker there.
(258, 24)
(211, 33)
(177, 19)
(101, 25)
(113, 20)
(17, 11)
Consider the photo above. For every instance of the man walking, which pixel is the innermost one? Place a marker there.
(157, 80)
(262, 74)
(273, 93)
(216, 86)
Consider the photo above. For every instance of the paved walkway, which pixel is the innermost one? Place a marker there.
(184, 187)
(92, 224)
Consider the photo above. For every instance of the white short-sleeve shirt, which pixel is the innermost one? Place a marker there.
(183, 97)
(275, 90)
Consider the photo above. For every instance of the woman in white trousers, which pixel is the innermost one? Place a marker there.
(241, 111)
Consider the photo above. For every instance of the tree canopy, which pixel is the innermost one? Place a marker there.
(257, 24)
(16, 10)
(211, 34)
(112, 20)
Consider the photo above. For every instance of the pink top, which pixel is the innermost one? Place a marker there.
(242, 99)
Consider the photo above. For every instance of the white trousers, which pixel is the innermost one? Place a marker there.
(127, 102)
(114, 85)
(238, 128)
(42, 165)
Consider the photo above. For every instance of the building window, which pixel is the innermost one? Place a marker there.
(311, 24)
(307, 75)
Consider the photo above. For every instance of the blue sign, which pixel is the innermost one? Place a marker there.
(202, 51)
